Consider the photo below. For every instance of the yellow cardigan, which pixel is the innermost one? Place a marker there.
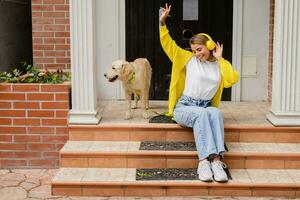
(180, 58)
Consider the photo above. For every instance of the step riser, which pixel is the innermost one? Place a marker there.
(234, 162)
(157, 135)
(90, 190)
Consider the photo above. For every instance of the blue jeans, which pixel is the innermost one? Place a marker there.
(207, 123)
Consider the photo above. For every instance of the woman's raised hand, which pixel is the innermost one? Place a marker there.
(218, 52)
(165, 13)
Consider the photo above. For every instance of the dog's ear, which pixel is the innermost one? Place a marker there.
(126, 71)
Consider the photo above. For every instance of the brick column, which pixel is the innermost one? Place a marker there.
(51, 33)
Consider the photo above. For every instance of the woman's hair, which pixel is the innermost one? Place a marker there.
(198, 39)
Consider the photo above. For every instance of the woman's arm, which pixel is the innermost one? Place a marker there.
(168, 44)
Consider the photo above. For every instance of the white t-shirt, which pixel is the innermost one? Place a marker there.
(202, 79)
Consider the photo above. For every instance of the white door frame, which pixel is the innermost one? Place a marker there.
(236, 43)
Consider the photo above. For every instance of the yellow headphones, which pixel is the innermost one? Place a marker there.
(210, 44)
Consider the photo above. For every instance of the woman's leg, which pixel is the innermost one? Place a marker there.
(198, 118)
(217, 126)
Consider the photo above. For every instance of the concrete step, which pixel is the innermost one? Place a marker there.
(122, 182)
(173, 132)
(125, 154)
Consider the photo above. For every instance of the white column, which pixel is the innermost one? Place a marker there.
(285, 110)
(83, 51)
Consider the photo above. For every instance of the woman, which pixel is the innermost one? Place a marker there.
(197, 82)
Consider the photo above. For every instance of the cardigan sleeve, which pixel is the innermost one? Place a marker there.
(168, 44)
(229, 75)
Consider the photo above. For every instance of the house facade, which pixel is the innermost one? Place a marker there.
(86, 36)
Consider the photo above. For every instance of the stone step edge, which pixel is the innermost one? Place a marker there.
(170, 183)
(147, 126)
(175, 154)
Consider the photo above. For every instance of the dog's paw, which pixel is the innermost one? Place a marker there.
(128, 115)
(145, 115)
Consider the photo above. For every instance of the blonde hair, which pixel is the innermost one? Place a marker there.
(198, 39)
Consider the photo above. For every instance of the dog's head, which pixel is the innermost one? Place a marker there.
(120, 70)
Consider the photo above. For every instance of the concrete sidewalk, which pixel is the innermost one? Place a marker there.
(34, 184)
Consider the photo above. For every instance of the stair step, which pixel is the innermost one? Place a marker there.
(174, 132)
(122, 182)
(127, 154)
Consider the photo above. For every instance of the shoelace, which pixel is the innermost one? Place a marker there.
(220, 164)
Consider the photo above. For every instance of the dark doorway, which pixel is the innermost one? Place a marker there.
(15, 33)
(142, 37)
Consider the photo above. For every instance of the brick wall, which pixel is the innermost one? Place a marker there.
(51, 33)
(271, 36)
(33, 124)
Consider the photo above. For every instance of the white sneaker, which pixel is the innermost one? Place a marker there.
(217, 168)
(204, 172)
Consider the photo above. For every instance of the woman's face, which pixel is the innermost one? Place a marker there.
(200, 51)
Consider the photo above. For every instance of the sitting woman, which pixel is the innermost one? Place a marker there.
(197, 82)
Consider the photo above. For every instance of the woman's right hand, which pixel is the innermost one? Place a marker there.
(165, 13)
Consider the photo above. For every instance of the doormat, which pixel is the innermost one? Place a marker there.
(162, 119)
(170, 174)
(169, 146)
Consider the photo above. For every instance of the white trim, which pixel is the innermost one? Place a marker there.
(237, 37)
(122, 40)
(83, 52)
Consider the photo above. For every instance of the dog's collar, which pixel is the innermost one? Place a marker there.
(132, 78)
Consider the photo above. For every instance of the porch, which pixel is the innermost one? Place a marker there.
(235, 113)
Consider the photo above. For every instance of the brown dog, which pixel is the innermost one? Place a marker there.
(136, 79)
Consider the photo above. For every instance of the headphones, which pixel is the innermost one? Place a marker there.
(210, 44)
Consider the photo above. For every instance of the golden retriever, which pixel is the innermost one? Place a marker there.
(136, 79)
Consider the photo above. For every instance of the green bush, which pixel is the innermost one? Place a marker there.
(32, 74)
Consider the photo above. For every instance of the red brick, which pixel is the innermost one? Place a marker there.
(12, 96)
(6, 138)
(62, 34)
(44, 60)
(53, 14)
(62, 21)
(10, 146)
(61, 7)
(26, 122)
(28, 154)
(27, 138)
(38, 53)
(6, 154)
(62, 97)
(40, 113)
(26, 87)
(40, 130)
(9, 130)
(36, 2)
(54, 122)
(54, 1)
(59, 146)
(43, 47)
(6, 121)
(12, 113)
(54, 40)
(42, 162)
(61, 113)
(55, 138)
(6, 104)
(41, 147)
(13, 163)
(55, 53)
(36, 14)
(26, 105)
(62, 47)
(40, 96)
(63, 60)
(43, 7)
(42, 34)
(5, 87)
(53, 154)
(55, 88)
(62, 130)
(55, 105)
